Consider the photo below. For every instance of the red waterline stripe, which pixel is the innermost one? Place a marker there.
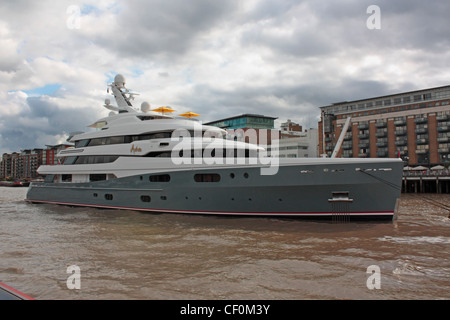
(212, 212)
(15, 292)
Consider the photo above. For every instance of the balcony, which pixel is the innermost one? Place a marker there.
(347, 146)
(400, 132)
(401, 142)
(421, 130)
(443, 139)
(363, 155)
(347, 154)
(401, 122)
(363, 135)
(444, 150)
(381, 153)
(380, 124)
(363, 126)
(421, 120)
(443, 117)
(381, 144)
(421, 151)
(328, 139)
(348, 137)
(422, 141)
(443, 128)
(363, 145)
(380, 134)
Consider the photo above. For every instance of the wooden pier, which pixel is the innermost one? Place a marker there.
(426, 181)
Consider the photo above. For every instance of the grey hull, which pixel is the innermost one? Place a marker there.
(313, 191)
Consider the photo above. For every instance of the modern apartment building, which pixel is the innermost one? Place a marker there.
(412, 125)
(24, 164)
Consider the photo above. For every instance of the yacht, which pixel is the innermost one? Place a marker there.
(150, 160)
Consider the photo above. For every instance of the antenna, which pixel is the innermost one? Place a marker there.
(120, 94)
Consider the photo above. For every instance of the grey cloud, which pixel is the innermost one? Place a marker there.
(303, 101)
(147, 28)
(42, 120)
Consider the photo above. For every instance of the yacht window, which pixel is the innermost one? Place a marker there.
(108, 196)
(70, 160)
(159, 154)
(82, 143)
(144, 118)
(97, 177)
(145, 198)
(66, 178)
(160, 178)
(116, 140)
(95, 159)
(226, 153)
(207, 177)
(49, 178)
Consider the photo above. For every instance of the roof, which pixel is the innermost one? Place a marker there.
(385, 96)
(242, 116)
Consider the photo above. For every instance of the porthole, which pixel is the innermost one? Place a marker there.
(232, 175)
(108, 196)
(246, 175)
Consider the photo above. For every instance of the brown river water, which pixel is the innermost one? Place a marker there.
(130, 255)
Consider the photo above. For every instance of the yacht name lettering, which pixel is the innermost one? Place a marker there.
(135, 149)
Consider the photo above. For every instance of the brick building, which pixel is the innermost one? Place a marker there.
(24, 164)
(412, 125)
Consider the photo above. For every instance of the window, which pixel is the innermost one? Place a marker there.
(81, 143)
(207, 177)
(66, 178)
(108, 196)
(145, 198)
(159, 154)
(160, 178)
(427, 96)
(97, 177)
(49, 178)
(70, 160)
(95, 159)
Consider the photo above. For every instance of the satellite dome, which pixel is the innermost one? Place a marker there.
(107, 102)
(145, 106)
(119, 80)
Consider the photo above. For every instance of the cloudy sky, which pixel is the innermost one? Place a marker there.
(218, 58)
